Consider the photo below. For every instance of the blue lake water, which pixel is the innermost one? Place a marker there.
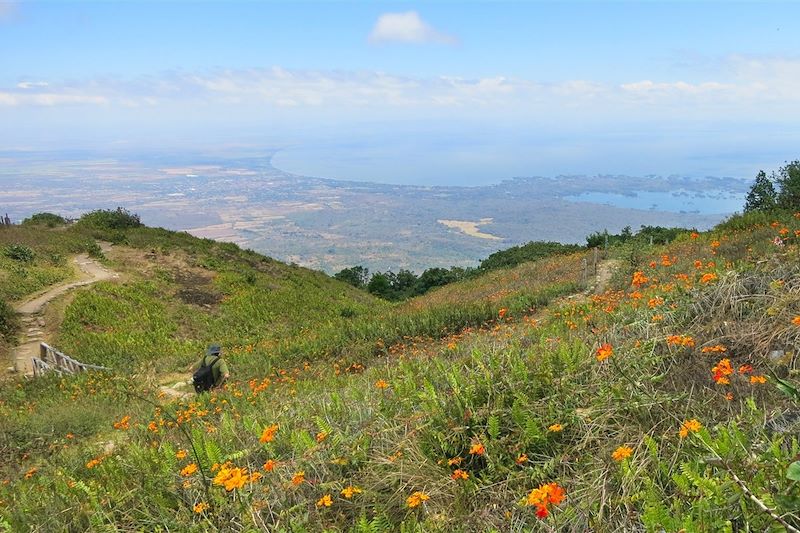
(706, 203)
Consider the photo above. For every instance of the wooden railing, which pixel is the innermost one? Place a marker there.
(51, 359)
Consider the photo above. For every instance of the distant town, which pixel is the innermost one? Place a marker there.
(331, 224)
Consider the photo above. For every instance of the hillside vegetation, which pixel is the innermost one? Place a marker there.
(511, 401)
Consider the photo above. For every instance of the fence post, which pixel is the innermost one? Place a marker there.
(595, 259)
(585, 271)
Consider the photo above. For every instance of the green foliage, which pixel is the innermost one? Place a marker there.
(527, 252)
(49, 220)
(788, 179)
(8, 321)
(762, 195)
(646, 235)
(107, 219)
(357, 276)
(19, 252)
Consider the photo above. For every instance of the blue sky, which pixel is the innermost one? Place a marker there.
(531, 87)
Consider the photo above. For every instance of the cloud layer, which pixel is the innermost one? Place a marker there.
(406, 27)
(747, 88)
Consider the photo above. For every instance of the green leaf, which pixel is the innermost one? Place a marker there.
(793, 472)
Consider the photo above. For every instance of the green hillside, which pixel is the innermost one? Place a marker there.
(511, 401)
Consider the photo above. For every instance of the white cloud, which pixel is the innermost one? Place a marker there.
(743, 87)
(407, 27)
(32, 84)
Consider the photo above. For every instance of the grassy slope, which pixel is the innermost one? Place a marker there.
(501, 383)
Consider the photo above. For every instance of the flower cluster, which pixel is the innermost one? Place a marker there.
(543, 497)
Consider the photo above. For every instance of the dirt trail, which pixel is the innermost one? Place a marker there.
(31, 310)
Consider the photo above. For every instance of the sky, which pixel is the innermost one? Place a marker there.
(412, 92)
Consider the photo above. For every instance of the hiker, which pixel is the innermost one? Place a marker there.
(211, 371)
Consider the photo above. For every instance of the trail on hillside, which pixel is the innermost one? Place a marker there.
(32, 310)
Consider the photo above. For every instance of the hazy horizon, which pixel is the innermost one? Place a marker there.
(412, 93)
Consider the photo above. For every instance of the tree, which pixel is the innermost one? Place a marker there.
(356, 276)
(788, 179)
(380, 285)
(762, 195)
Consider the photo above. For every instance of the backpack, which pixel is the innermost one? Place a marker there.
(203, 378)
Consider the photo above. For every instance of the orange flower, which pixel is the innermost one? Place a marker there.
(231, 478)
(255, 476)
(270, 465)
(325, 501)
(268, 434)
(94, 462)
(708, 278)
(721, 371)
(321, 436)
(502, 312)
(522, 459)
(123, 424)
(729, 396)
(381, 384)
(694, 235)
(189, 469)
(416, 499)
(681, 340)
(689, 426)
(758, 379)
(555, 428)
(542, 497)
(477, 449)
(745, 369)
(622, 453)
(715, 348)
(181, 454)
(454, 461)
(459, 474)
(604, 352)
(298, 478)
(796, 320)
(200, 507)
(639, 279)
(349, 491)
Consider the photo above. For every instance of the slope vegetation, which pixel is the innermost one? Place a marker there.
(665, 403)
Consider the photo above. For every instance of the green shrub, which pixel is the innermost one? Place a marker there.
(19, 252)
(107, 219)
(49, 220)
(8, 321)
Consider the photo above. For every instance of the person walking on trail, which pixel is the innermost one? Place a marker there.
(211, 371)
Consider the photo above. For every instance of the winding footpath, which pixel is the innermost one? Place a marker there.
(31, 311)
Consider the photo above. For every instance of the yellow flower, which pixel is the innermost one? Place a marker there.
(349, 491)
(688, 426)
(555, 428)
(459, 474)
(381, 384)
(477, 449)
(181, 454)
(621, 453)
(298, 478)
(604, 352)
(200, 507)
(189, 469)
(325, 501)
(416, 499)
